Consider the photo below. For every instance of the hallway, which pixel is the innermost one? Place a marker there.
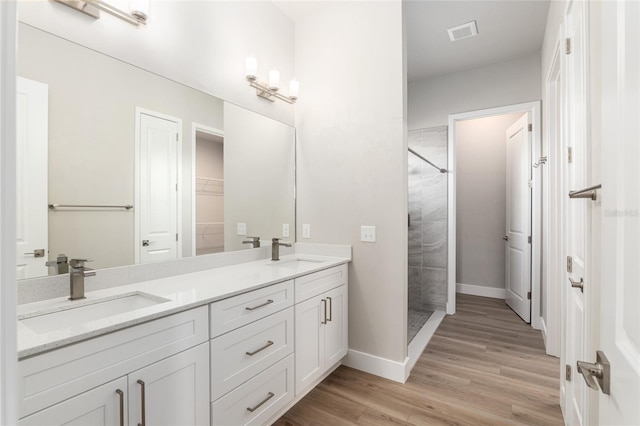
(484, 366)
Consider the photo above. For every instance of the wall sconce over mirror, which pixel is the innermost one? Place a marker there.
(270, 90)
(138, 14)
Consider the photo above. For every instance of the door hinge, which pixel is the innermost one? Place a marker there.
(176, 237)
(567, 373)
(529, 239)
(567, 46)
(569, 155)
(530, 127)
(530, 183)
(176, 186)
(529, 295)
(177, 137)
(569, 264)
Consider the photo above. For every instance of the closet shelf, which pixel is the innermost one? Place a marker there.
(209, 186)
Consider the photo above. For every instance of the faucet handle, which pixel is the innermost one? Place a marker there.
(253, 238)
(79, 263)
(275, 240)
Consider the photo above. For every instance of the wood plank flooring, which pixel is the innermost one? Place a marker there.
(483, 366)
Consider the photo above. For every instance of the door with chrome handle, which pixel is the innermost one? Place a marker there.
(598, 373)
(36, 253)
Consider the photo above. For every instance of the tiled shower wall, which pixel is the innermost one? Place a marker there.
(428, 220)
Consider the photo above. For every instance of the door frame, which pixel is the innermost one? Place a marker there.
(197, 127)
(136, 179)
(535, 110)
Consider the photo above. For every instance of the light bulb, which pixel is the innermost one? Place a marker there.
(251, 67)
(294, 88)
(274, 79)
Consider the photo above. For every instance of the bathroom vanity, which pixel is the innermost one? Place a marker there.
(233, 345)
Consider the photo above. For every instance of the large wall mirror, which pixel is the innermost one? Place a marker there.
(122, 166)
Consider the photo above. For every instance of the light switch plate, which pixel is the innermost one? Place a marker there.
(306, 230)
(242, 229)
(368, 234)
(285, 230)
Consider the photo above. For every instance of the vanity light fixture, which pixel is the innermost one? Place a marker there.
(270, 90)
(138, 14)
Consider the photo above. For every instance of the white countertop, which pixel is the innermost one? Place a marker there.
(182, 291)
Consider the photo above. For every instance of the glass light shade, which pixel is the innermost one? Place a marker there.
(251, 67)
(140, 9)
(274, 79)
(294, 88)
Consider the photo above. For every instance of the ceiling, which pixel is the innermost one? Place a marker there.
(506, 29)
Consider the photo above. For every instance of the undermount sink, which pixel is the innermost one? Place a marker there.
(295, 263)
(70, 315)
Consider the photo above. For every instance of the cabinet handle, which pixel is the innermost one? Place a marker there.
(121, 397)
(324, 303)
(141, 383)
(269, 343)
(330, 308)
(271, 395)
(268, 302)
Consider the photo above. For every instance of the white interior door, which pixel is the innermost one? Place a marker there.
(620, 292)
(31, 178)
(158, 141)
(518, 232)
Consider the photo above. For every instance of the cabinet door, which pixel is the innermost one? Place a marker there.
(336, 330)
(101, 406)
(309, 332)
(174, 391)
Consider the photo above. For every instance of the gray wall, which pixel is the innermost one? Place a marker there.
(428, 225)
(481, 200)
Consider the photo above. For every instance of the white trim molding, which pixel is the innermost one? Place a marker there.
(372, 364)
(480, 290)
(8, 330)
(422, 339)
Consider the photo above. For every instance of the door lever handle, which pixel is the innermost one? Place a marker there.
(577, 284)
(506, 238)
(598, 373)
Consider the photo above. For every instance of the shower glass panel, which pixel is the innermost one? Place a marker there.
(427, 269)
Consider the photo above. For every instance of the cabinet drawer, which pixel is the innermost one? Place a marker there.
(241, 354)
(265, 394)
(232, 313)
(46, 379)
(314, 284)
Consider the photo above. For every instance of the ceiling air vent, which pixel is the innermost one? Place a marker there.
(467, 30)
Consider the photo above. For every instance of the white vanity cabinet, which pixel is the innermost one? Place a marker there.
(321, 324)
(166, 360)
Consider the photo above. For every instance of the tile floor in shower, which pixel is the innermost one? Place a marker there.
(416, 320)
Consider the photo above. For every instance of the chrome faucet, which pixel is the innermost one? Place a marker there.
(78, 272)
(61, 264)
(275, 248)
(254, 241)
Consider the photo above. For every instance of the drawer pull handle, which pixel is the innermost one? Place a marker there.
(268, 302)
(269, 343)
(143, 414)
(271, 395)
(330, 309)
(324, 307)
(121, 398)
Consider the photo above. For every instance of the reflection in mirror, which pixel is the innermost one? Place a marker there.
(100, 135)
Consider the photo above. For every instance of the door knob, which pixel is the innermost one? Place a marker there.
(598, 373)
(577, 284)
(147, 243)
(36, 253)
(506, 238)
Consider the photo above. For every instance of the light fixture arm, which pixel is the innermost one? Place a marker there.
(93, 8)
(264, 92)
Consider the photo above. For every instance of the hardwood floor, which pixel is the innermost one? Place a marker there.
(483, 366)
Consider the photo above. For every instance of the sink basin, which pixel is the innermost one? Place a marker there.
(295, 263)
(70, 315)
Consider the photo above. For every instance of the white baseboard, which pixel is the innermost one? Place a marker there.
(372, 364)
(420, 342)
(479, 290)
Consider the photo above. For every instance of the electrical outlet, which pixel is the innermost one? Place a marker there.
(242, 229)
(306, 231)
(368, 234)
(285, 230)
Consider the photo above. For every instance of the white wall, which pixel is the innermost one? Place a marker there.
(202, 44)
(511, 82)
(352, 160)
(481, 199)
